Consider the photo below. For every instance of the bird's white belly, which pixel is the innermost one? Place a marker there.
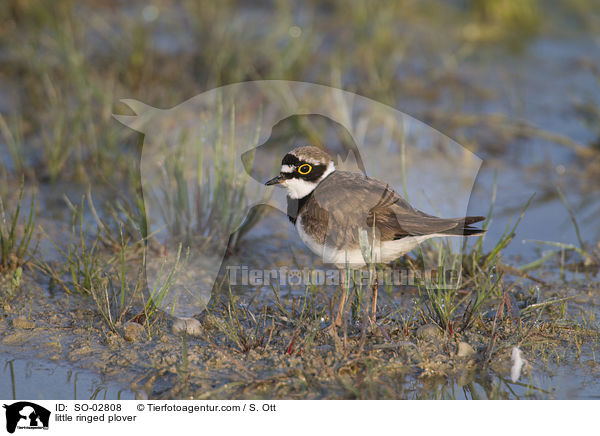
(383, 252)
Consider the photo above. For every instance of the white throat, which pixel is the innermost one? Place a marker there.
(298, 188)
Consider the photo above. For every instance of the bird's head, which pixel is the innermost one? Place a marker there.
(302, 169)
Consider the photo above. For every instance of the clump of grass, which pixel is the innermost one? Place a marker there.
(99, 269)
(120, 298)
(297, 320)
(14, 248)
(87, 256)
(207, 204)
(233, 325)
(454, 306)
(154, 302)
(83, 262)
(113, 294)
(13, 138)
(124, 218)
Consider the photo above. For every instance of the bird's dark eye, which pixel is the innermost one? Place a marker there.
(304, 169)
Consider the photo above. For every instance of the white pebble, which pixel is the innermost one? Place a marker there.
(517, 364)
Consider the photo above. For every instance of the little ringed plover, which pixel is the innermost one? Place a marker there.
(336, 211)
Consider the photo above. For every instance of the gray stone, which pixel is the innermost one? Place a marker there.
(133, 332)
(465, 350)
(430, 332)
(187, 326)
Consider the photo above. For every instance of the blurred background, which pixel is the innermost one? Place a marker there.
(515, 81)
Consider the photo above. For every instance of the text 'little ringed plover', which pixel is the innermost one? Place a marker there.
(336, 211)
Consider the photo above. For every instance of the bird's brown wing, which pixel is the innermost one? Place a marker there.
(395, 219)
(354, 200)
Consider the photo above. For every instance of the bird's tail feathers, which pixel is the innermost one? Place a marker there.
(463, 227)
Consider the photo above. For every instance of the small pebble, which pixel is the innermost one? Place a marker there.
(517, 364)
(188, 326)
(133, 332)
(23, 323)
(140, 395)
(429, 332)
(465, 350)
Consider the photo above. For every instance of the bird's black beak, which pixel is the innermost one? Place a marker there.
(275, 180)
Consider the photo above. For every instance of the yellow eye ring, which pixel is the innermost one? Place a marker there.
(304, 169)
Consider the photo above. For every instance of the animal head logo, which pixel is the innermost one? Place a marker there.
(205, 161)
(24, 414)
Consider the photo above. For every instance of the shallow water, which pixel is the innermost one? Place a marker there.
(574, 383)
(542, 87)
(37, 379)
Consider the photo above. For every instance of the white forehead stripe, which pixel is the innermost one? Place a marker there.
(287, 169)
(309, 160)
(314, 162)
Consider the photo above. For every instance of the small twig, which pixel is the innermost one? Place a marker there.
(546, 303)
